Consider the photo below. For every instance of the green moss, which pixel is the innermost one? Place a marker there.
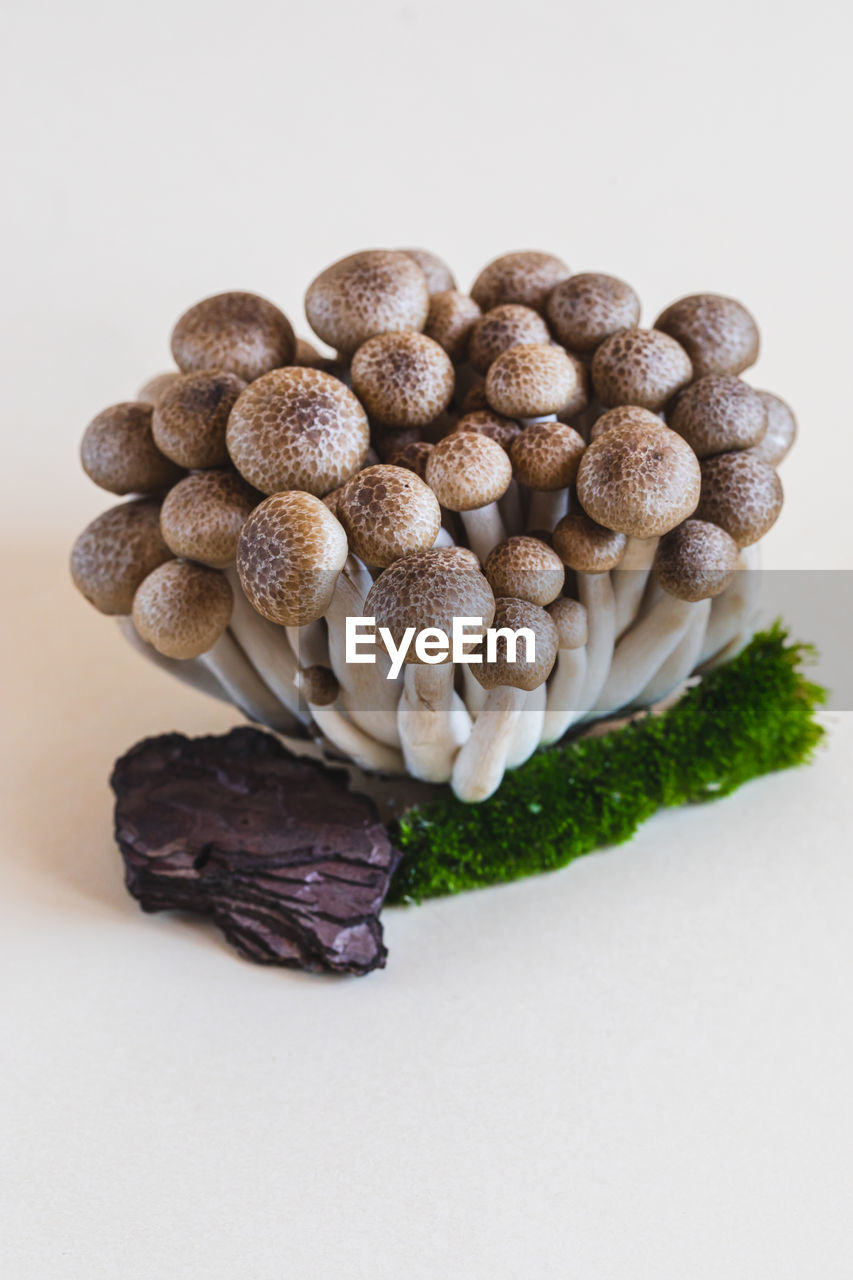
(752, 716)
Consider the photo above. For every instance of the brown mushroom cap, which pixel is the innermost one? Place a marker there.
(191, 416)
(742, 494)
(387, 513)
(546, 455)
(623, 413)
(467, 471)
(509, 325)
(525, 673)
(718, 333)
(403, 379)
(430, 589)
(587, 547)
(290, 553)
(587, 308)
(297, 429)
(640, 367)
(580, 399)
(438, 275)
(570, 618)
(203, 514)
(781, 429)
(488, 423)
(475, 397)
(237, 333)
(387, 440)
(413, 456)
(182, 608)
(151, 391)
(719, 413)
(532, 380)
(526, 277)
(696, 561)
(639, 479)
(525, 568)
(377, 291)
(116, 552)
(118, 451)
(452, 316)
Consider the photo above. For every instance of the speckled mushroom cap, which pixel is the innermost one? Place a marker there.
(486, 422)
(430, 589)
(475, 397)
(182, 609)
(623, 413)
(524, 673)
(570, 619)
(438, 275)
(203, 514)
(377, 291)
(525, 568)
(781, 429)
(387, 513)
(640, 367)
(546, 455)
(290, 553)
(742, 494)
(718, 333)
(587, 547)
(151, 391)
(116, 552)
(237, 333)
(413, 456)
(452, 316)
(639, 479)
(297, 429)
(526, 277)
(719, 413)
(191, 416)
(531, 380)
(696, 561)
(118, 451)
(467, 471)
(509, 325)
(587, 308)
(403, 379)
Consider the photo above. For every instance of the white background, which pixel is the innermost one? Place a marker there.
(636, 1068)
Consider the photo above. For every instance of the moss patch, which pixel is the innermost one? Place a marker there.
(753, 716)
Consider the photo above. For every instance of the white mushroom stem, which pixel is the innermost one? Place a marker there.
(675, 669)
(528, 730)
(356, 745)
(243, 684)
(369, 698)
(309, 644)
(484, 529)
(473, 692)
(547, 508)
(265, 645)
(595, 592)
(444, 538)
(565, 689)
(481, 763)
(630, 579)
(732, 611)
(641, 651)
(433, 721)
(188, 670)
(543, 417)
(511, 509)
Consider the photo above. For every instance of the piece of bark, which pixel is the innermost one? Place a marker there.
(291, 865)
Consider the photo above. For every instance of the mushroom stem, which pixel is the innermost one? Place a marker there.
(480, 764)
(356, 745)
(484, 528)
(565, 690)
(528, 730)
(678, 666)
(188, 670)
(433, 721)
(595, 592)
(641, 651)
(731, 612)
(511, 509)
(229, 664)
(444, 538)
(266, 646)
(368, 697)
(630, 579)
(547, 508)
(309, 643)
(473, 692)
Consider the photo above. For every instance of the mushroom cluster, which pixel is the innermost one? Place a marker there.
(524, 454)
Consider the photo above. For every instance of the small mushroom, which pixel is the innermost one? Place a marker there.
(527, 569)
(376, 291)
(469, 473)
(403, 379)
(587, 308)
(289, 555)
(719, 413)
(488, 423)
(387, 513)
(742, 494)
(119, 454)
(526, 277)
(781, 430)
(203, 514)
(191, 416)
(413, 456)
(718, 334)
(545, 458)
(640, 367)
(640, 479)
(116, 552)
(566, 686)
(236, 333)
(452, 316)
(532, 381)
(623, 413)
(151, 391)
(297, 429)
(509, 325)
(438, 275)
(481, 762)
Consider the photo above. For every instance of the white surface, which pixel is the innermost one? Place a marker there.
(635, 1068)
